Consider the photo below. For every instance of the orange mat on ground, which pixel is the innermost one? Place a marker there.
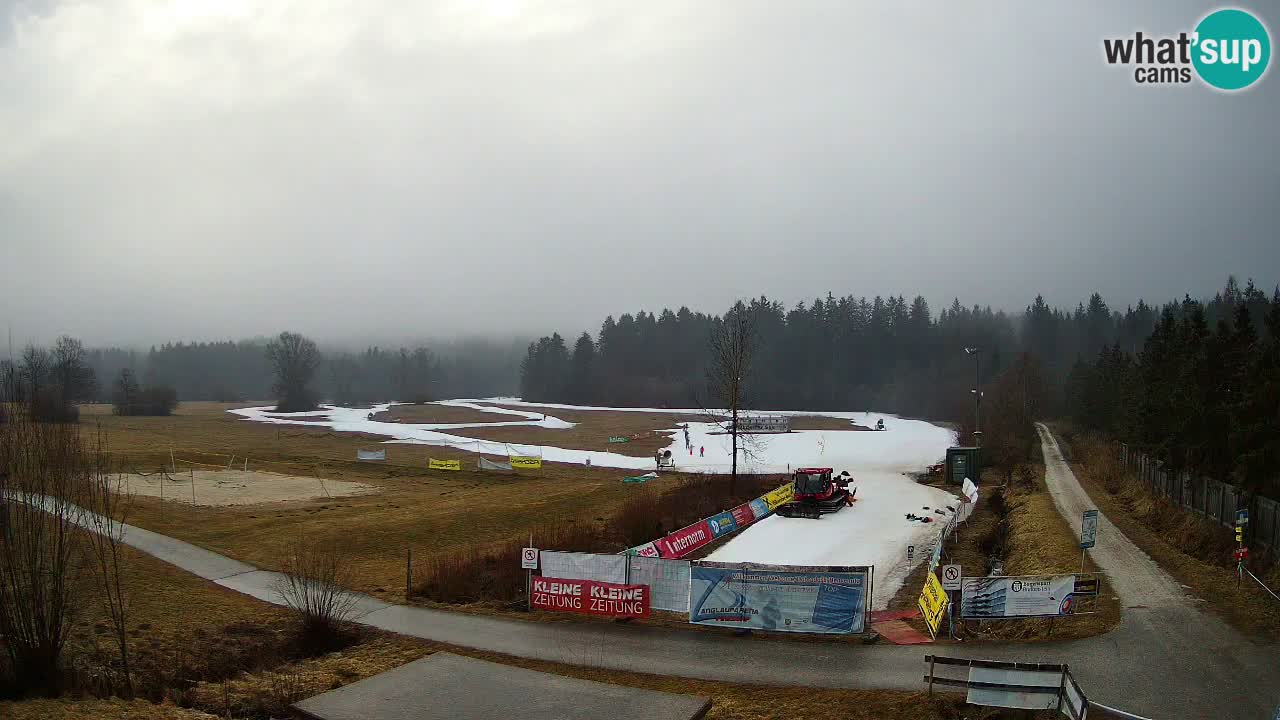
(900, 633)
(887, 615)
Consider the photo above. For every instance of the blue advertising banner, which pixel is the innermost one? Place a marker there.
(722, 524)
(759, 508)
(782, 598)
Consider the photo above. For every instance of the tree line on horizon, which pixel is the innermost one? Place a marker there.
(236, 371)
(847, 353)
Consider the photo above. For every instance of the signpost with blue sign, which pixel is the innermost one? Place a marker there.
(1088, 533)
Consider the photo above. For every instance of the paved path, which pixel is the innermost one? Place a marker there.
(1167, 653)
(1166, 660)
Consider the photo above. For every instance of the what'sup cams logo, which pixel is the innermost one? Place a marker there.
(1228, 50)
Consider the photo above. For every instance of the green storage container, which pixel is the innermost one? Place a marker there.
(962, 462)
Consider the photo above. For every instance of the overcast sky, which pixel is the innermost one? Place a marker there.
(232, 168)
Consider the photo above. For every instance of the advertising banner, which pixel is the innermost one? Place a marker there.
(584, 566)
(759, 508)
(618, 439)
(668, 582)
(648, 550)
(589, 597)
(435, 464)
(993, 598)
(722, 524)
(527, 462)
(371, 455)
(490, 465)
(742, 515)
(776, 498)
(782, 598)
(684, 541)
(932, 603)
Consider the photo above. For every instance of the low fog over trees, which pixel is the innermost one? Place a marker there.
(1201, 393)
(48, 382)
(236, 371)
(850, 353)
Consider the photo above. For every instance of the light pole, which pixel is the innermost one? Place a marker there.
(977, 395)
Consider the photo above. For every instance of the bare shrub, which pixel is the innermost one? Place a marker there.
(60, 523)
(493, 573)
(313, 586)
(638, 519)
(107, 509)
(41, 475)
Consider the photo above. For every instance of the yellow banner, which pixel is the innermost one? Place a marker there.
(933, 603)
(528, 462)
(779, 497)
(435, 464)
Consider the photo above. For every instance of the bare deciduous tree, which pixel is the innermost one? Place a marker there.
(315, 575)
(71, 372)
(54, 491)
(733, 344)
(107, 509)
(294, 359)
(39, 562)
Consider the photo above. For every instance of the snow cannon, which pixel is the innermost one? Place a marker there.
(815, 492)
(663, 458)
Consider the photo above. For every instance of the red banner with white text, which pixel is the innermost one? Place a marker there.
(685, 540)
(590, 597)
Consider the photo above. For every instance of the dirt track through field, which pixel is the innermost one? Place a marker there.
(1135, 577)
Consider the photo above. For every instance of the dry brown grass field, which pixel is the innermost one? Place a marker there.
(433, 413)
(646, 432)
(410, 507)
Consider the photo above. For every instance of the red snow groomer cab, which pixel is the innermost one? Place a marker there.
(816, 492)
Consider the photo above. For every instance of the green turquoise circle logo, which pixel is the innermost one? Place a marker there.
(1232, 49)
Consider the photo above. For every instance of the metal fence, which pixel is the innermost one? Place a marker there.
(668, 580)
(1212, 499)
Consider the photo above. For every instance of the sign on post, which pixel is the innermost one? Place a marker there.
(529, 559)
(1242, 517)
(932, 603)
(950, 577)
(911, 553)
(1089, 529)
(1086, 585)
